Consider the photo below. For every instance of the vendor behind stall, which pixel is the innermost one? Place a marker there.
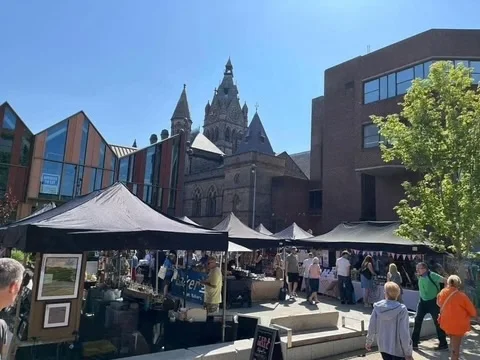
(213, 286)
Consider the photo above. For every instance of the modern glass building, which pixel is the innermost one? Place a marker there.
(71, 158)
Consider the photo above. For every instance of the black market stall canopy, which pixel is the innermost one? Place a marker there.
(263, 230)
(241, 234)
(108, 219)
(368, 235)
(293, 232)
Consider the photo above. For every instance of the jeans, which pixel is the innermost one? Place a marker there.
(386, 356)
(345, 287)
(424, 308)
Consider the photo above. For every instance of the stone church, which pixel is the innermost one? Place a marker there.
(231, 166)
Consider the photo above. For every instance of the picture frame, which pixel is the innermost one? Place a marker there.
(59, 276)
(56, 315)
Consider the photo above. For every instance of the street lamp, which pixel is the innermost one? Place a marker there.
(254, 172)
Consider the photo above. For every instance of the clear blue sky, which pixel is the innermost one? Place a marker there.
(124, 62)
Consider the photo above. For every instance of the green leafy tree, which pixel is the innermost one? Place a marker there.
(8, 207)
(437, 136)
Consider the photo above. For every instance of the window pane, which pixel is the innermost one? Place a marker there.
(370, 130)
(3, 179)
(392, 85)
(55, 144)
(101, 158)
(419, 71)
(383, 88)
(370, 86)
(370, 142)
(98, 179)
(9, 119)
(426, 68)
(123, 170)
(458, 62)
(131, 164)
(91, 185)
(26, 155)
(403, 87)
(79, 182)
(6, 143)
(113, 161)
(68, 181)
(83, 144)
(111, 178)
(476, 66)
(50, 178)
(404, 75)
(476, 78)
(371, 97)
(150, 158)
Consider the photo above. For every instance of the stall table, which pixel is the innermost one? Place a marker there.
(266, 289)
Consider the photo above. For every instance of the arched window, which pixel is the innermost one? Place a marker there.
(236, 203)
(197, 203)
(212, 202)
(216, 134)
(227, 134)
(234, 141)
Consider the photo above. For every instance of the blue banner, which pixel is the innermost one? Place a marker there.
(195, 290)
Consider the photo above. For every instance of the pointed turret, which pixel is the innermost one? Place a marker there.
(134, 145)
(228, 67)
(207, 108)
(181, 116)
(255, 139)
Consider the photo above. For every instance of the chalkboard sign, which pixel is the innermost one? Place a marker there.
(266, 344)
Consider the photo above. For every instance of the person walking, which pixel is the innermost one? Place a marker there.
(428, 287)
(213, 286)
(394, 275)
(456, 311)
(169, 265)
(306, 266)
(314, 272)
(366, 279)
(345, 286)
(292, 272)
(389, 323)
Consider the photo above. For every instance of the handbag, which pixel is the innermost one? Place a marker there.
(366, 272)
(162, 272)
(439, 318)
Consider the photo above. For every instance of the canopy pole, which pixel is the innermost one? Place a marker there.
(156, 274)
(224, 318)
(119, 268)
(284, 266)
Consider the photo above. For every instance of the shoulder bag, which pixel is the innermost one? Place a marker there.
(443, 305)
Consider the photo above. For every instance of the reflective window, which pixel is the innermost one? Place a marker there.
(392, 85)
(426, 68)
(371, 136)
(123, 170)
(463, 62)
(113, 162)
(50, 178)
(9, 119)
(371, 91)
(3, 179)
(68, 181)
(27, 140)
(79, 181)
(404, 80)
(149, 162)
(383, 88)
(6, 143)
(91, 185)
(101, 158)
(111, 178)
(419, 71)
(83, 144)
(55, 143)
(98, 179)
(131, 164)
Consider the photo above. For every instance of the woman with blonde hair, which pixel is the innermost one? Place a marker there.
(314, 271)
(389, 323)
(394, 275)
(456, 311)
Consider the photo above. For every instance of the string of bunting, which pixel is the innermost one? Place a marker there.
(380, 253)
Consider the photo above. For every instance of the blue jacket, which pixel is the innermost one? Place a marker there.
(389, 323)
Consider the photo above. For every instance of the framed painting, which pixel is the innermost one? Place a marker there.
(59, 276)
(56, 315)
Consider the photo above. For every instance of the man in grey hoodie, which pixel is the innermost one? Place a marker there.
(389, 323)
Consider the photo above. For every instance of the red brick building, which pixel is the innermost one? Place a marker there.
(345, 156)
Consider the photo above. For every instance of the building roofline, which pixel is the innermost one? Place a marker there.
(6, 103)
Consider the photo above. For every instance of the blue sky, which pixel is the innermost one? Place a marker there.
(125, 62)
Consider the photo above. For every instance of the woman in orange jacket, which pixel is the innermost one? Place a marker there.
(456, 311)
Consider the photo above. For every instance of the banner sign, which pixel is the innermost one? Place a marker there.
(50, 184)
(195, 290)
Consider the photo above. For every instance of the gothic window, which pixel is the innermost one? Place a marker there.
(197, 203)
(227, 134)
(236, 203)
(236, 178)
(234, 141)
(215, 137)
(212, 202)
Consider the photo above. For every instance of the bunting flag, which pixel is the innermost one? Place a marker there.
(380, 253)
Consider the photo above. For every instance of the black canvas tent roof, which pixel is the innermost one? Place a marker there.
(109, 219)
(241, 234)
(293, 232)
(369, 235)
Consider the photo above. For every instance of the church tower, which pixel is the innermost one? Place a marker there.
(225, 119)
(181, 116)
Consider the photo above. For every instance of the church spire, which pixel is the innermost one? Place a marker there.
(228, 68)
(181, 115)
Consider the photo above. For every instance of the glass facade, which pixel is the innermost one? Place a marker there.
(9, 120)
(123, 170)
(371, 136)
(83, 144)
(50, 179)
(68, 181)
(398, 83)
(6, 144)
(55, 142)
(148, 178)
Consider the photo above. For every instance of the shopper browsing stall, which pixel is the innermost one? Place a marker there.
(366, 276)
(314, 273)
(292, 272)
(345, 285)
(213, 286)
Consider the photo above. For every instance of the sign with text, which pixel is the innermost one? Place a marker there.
(195, 290)
(266, 344)
(50, 184)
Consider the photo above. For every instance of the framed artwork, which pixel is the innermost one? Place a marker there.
(59, 276)
(56, 315)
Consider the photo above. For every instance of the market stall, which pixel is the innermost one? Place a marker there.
(109, 219)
